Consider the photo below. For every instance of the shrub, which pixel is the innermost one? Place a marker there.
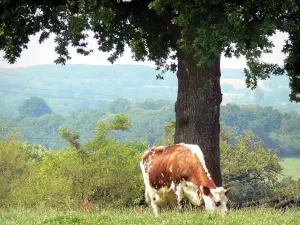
(102, 170)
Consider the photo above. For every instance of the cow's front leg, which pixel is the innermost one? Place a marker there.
(179, 195)
(155, 207)
(147, 196)
(154, 197)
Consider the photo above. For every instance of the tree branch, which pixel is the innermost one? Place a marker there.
(142, 7)
(243, 178)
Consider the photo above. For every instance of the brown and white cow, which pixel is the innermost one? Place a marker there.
(177, 171)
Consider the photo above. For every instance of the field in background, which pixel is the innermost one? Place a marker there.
(145, 216)
(291, 167)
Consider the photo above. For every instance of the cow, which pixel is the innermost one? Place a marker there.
(172, 173)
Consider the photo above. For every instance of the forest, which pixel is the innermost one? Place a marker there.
(280, 131)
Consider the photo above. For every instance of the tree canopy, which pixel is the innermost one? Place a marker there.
(157, 30)
(34, 107)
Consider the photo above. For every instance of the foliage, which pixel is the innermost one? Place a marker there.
(34, 107)
(148, 124)
(277, 130)
(288, 187)
(287, 136)
(169, 131)
(248, 166)
(38, 130)
(13, 167)
(267, 123)
(248, 159)
(49, 188)
(17, 163)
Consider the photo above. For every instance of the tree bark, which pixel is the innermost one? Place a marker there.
(198, 110)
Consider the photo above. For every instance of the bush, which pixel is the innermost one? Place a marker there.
(18, 162)
(248, 166)
(13, 168)
(288, 187)
(102, 170)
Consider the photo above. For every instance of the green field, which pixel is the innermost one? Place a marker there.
(291, 167)
(145, 216)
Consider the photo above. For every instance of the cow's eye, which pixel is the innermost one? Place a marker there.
(218, 204)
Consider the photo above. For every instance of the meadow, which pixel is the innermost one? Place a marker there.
(145, 216)
(291, 167)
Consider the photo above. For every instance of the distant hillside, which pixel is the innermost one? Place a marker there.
(71, 87)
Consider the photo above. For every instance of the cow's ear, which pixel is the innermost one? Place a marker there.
(227, 190)
(206, 190)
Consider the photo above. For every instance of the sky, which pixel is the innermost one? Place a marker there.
(38, 54)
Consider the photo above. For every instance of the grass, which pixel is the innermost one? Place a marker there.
(21, 216)
(291, 167)
(145, 216)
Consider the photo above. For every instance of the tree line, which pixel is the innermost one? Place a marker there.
(278, 130)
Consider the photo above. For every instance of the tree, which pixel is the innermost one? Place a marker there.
(248, 166)
(252, 160)
(195, 33)
(287, 136)
(120, 105)
(95, 167)
(34, 107)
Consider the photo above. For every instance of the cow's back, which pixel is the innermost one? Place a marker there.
(176, 163)
(151, 155)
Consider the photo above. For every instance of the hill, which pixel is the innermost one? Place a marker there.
(72, 87)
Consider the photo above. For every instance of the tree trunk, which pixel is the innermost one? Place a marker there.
(198, 110)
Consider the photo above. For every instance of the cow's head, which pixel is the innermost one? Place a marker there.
(215, 199)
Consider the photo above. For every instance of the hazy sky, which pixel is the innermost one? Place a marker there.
(44, 54)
